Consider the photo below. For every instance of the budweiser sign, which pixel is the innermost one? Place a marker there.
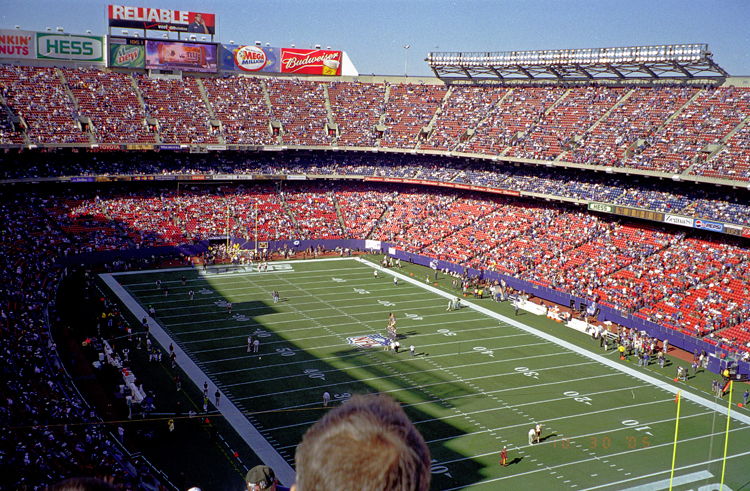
(311, 61)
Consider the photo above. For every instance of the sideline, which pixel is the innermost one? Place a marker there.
(265, 451)
(673, 389)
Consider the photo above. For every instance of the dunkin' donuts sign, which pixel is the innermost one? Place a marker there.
(311, 61)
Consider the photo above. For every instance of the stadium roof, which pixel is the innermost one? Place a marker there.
(685, 61)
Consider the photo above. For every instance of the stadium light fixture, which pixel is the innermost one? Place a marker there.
(124, 32)
(88, 31)
(60, 29)
(268, 45)
(49, 29)
(165, 35)
(258, 43)
(203, 38)
(135, 35)
(231, 42)
(17, 26)
(406, 59)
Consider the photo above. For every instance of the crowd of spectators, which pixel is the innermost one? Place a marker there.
(696, 283)
(670, 129)
(629, 267)
(48, 433)
(49, 115)
(713, 203)
(110, 101)
(556, 131)
(314, 211)
(409, 108)
(732, 161)
(633, 119)
(300, 107)
(462, 111)
(239, 103)
(515, 114)
(710, 116)
(179, 110)
(356, 109)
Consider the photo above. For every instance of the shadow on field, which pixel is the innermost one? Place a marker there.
(544, 439)
(517, 460)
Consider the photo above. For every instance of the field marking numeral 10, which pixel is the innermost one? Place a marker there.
(578, 398)
(527, 372)
(635, 425)
(315, 373)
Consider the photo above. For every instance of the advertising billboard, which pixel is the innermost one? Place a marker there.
(242, 58)
(161, 19)
(709, 225)
(250, 58)
(15, 43)
(678, 220)
(310, 61)
(176, 55)
(127, 53)
(69, 47)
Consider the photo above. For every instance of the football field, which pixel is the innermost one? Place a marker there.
(480, 379)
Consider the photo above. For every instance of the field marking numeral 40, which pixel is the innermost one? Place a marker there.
(315, 373)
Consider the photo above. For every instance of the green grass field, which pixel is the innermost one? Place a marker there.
(482, 378)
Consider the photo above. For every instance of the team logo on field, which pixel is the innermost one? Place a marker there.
(368, 341)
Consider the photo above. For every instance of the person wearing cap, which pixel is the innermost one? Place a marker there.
(366, 444)
(261, 477)
(538, 431)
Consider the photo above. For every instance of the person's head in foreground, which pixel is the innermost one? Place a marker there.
(366, 444)
(259, 478)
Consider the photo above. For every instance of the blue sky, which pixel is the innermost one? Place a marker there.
(374, 32)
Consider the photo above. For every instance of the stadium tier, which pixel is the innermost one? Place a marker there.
(503, 180)
(675, 130)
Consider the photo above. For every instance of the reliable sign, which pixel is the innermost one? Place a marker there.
(161, 19)
(69, 47)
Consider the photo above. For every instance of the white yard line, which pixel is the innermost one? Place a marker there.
(721, 409)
